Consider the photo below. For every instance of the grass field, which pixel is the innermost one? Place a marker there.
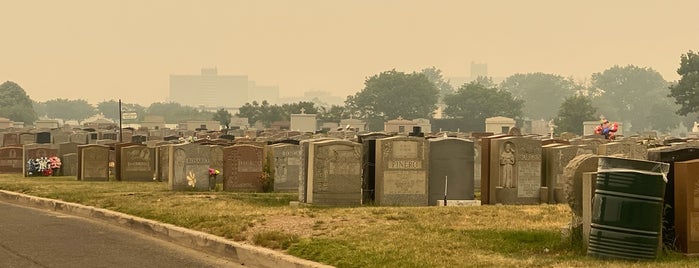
(367, 236)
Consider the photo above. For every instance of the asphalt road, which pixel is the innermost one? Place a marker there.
(40, 238)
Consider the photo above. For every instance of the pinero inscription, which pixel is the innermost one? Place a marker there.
(405, 164)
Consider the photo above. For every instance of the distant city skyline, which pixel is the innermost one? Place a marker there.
(127, 49)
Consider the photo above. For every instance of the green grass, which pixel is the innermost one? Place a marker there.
(366, 236)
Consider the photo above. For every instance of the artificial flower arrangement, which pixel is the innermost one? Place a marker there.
(45, 166)
(212, 178)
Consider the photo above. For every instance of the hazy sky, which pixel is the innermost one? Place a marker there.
(109, 49)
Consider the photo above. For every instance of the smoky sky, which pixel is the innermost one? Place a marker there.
(101, 50)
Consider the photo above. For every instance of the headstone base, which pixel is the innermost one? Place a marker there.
(459, 203)
(506, 195)
(544, 194)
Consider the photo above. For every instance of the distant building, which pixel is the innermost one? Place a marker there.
(478, 69)
(5, 123)
(213, 90)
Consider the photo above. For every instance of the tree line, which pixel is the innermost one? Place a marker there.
(637, 96)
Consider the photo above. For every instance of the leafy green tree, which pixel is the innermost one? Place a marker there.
(39, 108)
(174, 112)
(686, 91)
(263, 112)
(573, 112)
(662, 117)
(485, 81)
(435, 76)
(542, 93)
(110, 109)
(69, 109)
(333, 114)
(223, 117)
(474, 103)
(15, 104)
(391, 94)
(627, 93)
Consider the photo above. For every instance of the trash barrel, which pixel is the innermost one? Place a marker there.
(627, 209)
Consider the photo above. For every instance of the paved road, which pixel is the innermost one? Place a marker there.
(40, 238)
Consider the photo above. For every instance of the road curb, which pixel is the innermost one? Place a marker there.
(245, 254)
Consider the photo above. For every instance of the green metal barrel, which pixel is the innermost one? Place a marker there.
(627, 209)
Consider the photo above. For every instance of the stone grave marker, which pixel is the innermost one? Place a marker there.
(188, 167)
(303, 174)
(286, 160)
(43, 137)
(671, 155)
(477, 165)
(67, 148)
(27, 138)
(92, 137)
(137, 163)
(10, 139)
(93, 162)
(687, 206)
(625, 148)
(117, 158)
(138, 139)
(69, 164)
(11, 160)
(163, 160)
(515, 170)
(368, 142)
(487, 192)
(34, 151)
(242, 168)
(451, 163)
(80, 138)
(110, 136)
(334, 173)
(60, 137)
(555, 159)
(402, 165)
(572, 177)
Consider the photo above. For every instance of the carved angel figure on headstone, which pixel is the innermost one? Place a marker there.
(507, 163)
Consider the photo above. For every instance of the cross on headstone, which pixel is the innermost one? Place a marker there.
(303, 110)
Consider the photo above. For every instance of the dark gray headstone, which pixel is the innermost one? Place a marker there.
(69, 165)
(43, 137)
(286, 160)
(451, 163)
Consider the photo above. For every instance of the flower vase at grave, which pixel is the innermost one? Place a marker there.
(213, 173)
(212, 182)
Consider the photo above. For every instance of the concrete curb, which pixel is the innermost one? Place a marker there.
(247, 255)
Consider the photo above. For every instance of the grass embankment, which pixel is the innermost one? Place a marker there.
(368, 236)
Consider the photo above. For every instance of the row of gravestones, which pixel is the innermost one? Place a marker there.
(83, 137)
(333, 168)
(680, 226)
(525, 170)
